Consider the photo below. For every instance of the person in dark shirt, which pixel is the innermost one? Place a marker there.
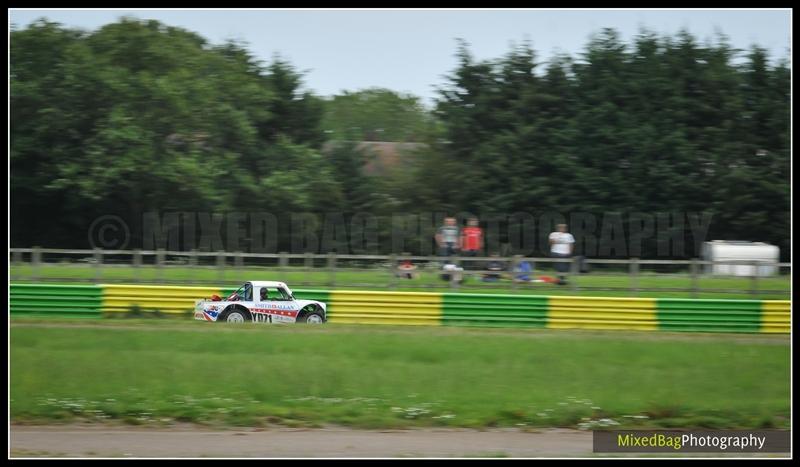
(494, 269)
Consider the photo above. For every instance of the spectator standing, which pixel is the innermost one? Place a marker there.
(472, 238)
(448, 237)
(562, 245)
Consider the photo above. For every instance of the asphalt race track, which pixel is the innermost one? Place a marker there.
(87, 441)
(190, 441)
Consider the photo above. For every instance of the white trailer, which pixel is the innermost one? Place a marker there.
(741, 258)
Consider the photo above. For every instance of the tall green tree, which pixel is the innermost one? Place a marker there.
(376, 114)
(139, 116)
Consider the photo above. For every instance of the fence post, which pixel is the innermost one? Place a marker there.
(283, 262)
(633, 269)
(393, 271)
(514, 265)
(160, 265)
(193, 262)
(437, 269)
(331, 269)
(694, 271)
(16, 260)
(453, 282)
(36, 262)
(238, 262)
(754, 279)
(97, 255)
(137, 264)
(573, 273)
(308, 265)
(221, 266)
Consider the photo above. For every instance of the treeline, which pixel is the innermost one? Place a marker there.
(139, 117)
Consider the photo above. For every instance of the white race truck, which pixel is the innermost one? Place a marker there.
(261, 302)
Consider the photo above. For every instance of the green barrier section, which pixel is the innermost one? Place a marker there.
(81, 301)
(679, 314)
(494, 310)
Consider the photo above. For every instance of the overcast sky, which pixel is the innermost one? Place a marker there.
(410, 51)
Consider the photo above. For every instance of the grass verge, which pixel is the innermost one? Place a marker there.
(385, 377)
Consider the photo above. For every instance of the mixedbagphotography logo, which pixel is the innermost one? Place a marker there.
(726, 441)
(608, 234)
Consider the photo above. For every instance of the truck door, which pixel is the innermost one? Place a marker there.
(262, 306)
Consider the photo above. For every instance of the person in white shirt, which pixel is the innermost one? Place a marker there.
(562, 244)
(452, 273)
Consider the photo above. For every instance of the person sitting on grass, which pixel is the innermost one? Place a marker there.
(452, 273)
(524, 272)
(494, 269)
(407, 270)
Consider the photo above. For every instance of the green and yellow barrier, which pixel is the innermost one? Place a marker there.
(371, 307)
(776, 316)
(148, 298)
(678, 314)
(496, 310)
(602, 313)
(432, 308)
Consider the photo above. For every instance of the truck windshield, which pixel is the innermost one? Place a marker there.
(288, 295)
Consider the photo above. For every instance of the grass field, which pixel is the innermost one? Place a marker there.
(588, 284)
(147, 372)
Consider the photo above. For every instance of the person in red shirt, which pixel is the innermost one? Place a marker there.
(472, 238)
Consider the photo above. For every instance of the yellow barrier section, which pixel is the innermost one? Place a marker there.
(602, 313)
(362, 307)
(776, 316)
(166, 299)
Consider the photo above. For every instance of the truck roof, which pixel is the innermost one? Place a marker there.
(268, 284)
